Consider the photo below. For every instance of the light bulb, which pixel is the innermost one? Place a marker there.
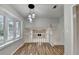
(33, 15)
(29, 16)
(30, 19)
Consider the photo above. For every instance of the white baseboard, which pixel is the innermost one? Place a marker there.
(17, 49)
(58, 44)
(52, 44)
(35, 42)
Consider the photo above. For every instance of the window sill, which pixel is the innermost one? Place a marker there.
(8, 43)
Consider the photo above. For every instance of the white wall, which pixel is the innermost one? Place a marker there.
(38, 23)
(11, 48)
(68, 26)
(9, 11)
(57, 29)
(58, 33)
(41, 22)
(61, 31)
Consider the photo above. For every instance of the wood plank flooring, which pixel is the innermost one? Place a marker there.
(37, 49)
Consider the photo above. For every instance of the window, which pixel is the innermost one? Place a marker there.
(18, 29)
(10, 29)
(1, 29)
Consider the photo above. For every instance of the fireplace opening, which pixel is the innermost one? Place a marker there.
(39, 34)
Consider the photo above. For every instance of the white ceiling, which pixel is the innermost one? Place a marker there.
(42, 10)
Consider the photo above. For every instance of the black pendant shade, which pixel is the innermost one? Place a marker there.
(31, 6)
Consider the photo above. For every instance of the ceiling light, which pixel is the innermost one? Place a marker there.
(30, 19)
(31, 14)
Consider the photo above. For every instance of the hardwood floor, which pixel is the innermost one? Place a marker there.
(40, 49)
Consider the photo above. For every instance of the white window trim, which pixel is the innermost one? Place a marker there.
(6, 43)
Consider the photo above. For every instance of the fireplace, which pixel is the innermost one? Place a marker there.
(39, 34)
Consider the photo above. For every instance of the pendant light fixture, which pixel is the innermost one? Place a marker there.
(31, 14)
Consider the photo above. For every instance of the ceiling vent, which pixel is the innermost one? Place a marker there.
(55, 6)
